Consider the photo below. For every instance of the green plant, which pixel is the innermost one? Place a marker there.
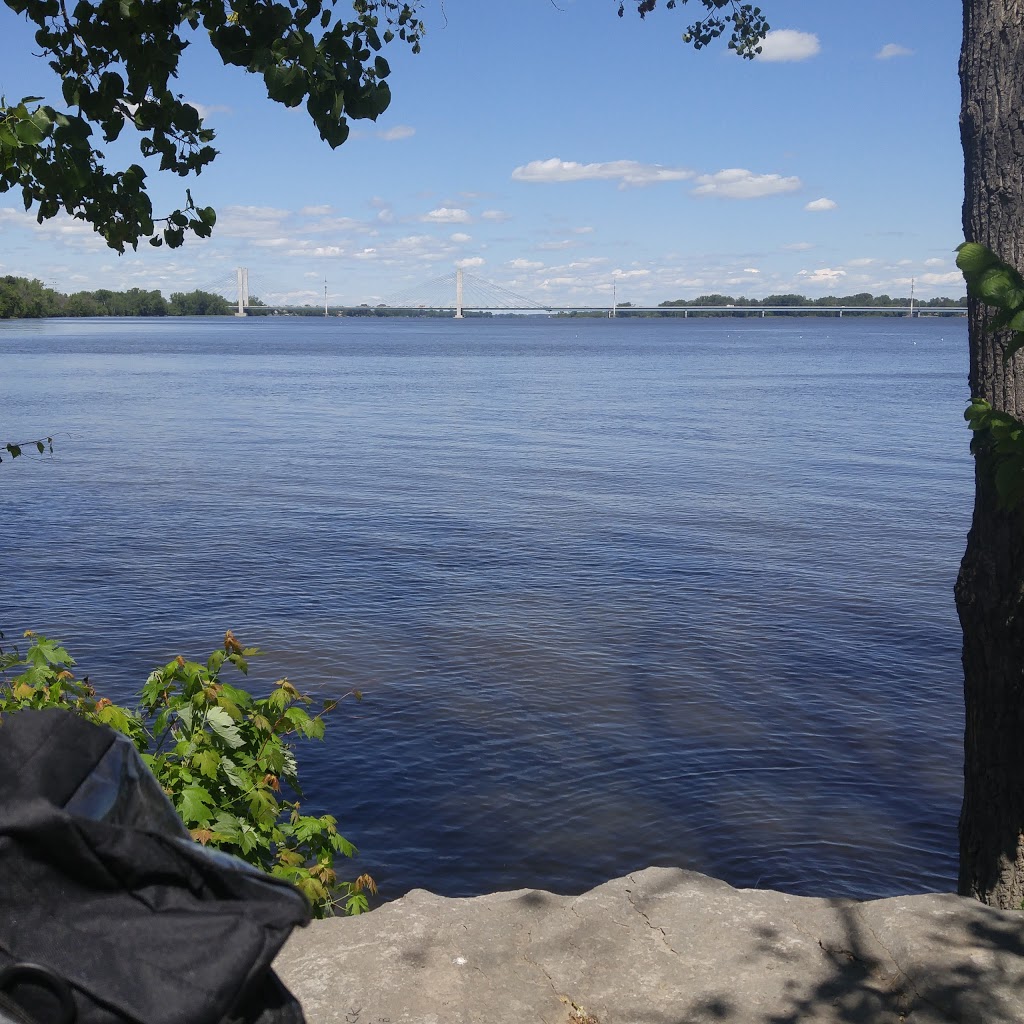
(998, 436)
(997, 284)
(222, 756)
(14, 449)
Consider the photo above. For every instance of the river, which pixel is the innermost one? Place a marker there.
(618, 592)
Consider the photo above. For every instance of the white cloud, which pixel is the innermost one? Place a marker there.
(461, 237)
(786, 44)
(521, 264)
(818, 205)
(565, 243)
(305, 249)
(751, 270)
(205, 110)
(396, 133)
(893, 50)
(495, 215)
(935, 261)
(626, 172)
(582, 231)
(63, 229)
(315, 211)
(447, 215)
(861, 261)
(254, 222)
(472, 261)
(953, 277)
(798, 246)
(824, 275)
(737, 183)
(622, 275)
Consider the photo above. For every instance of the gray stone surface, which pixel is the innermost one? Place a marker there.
(661, 946)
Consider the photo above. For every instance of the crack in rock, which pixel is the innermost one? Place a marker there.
(908, 981)
(650, 924)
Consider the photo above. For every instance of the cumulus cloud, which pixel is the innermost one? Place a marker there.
(472, 261)
(257, 222)
(396, 133)
(626, 172)
(495, 215)
(891, 50)
(751, 270)
(461, 237)
(447, 215)
(62, 228)
(521, 264)
(824, 275)
(622, 275)
(935, 261)
(205, 109)
(953, 277)
(786, 44)
(737, 183)
(819, 205)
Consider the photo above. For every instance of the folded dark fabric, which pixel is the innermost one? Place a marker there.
(104, 893)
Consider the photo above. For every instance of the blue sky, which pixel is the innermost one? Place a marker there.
(559, 151)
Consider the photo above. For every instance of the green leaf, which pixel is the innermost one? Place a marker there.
(974, 259)
(28, 133)
(207, 761)
(224, 726)
(194, 805)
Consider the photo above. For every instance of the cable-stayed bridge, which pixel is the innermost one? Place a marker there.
(459, 292)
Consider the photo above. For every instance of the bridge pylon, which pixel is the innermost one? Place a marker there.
(458, 294)
(243, 291)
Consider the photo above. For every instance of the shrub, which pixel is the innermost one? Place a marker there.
(222, 756)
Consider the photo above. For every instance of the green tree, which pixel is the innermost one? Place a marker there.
(117, 61)
(22, 298)
(199, 303)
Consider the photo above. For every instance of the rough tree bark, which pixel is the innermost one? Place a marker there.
(990, 587)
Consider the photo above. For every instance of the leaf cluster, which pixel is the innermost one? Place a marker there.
(999, 439)
(997, 284)
(15, 449)
(746, 24)
(117, 61)
(223, 757)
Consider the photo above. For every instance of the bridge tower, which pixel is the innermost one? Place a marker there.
(458, 294)
(243, 291)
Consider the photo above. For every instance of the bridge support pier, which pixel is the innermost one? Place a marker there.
(243, 291)
(458, 294)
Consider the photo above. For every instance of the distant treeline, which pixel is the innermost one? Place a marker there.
(787, 301)
(22, 298)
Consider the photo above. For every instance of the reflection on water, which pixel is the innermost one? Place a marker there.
(619, 592)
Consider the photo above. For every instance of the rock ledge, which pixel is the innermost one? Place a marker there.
(661, 946)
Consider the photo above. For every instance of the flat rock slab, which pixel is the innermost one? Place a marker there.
(661, 946)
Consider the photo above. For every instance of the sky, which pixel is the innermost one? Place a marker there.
(553, 149)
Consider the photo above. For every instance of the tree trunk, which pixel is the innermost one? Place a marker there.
(990, 587)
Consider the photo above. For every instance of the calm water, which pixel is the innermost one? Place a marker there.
(619, 592)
